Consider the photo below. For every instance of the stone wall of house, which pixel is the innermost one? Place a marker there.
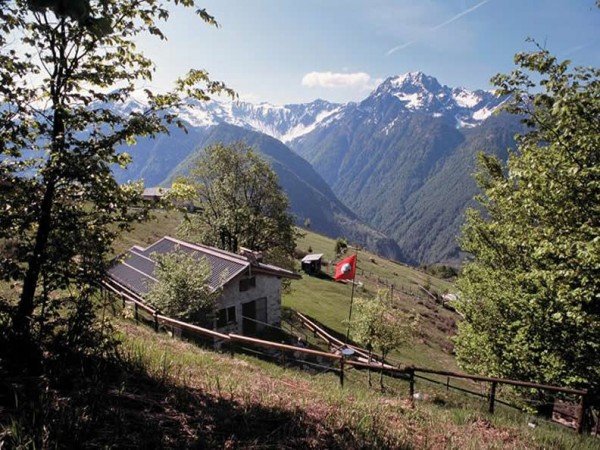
(267, 286)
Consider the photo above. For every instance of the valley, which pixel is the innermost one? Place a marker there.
(393, 172)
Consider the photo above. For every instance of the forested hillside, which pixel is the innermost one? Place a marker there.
(407, 169)
(310, 197)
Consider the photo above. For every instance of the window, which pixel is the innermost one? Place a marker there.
(226, 317)
(247, 283)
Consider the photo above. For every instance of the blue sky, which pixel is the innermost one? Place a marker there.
(285, 51)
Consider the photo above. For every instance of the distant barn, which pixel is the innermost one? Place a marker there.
(251, 296)
(154, 194)
(311, 264)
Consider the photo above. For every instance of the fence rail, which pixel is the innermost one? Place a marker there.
(378, 365)
(412, 373)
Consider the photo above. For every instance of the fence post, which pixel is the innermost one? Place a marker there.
(342, 371)
(447, 383)
(123, 298)
(492, 396)
(581, 415)
(155, 315)
(411, 379)
(135, 311)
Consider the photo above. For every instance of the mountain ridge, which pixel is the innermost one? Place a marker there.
(310, 197)
(381, 156)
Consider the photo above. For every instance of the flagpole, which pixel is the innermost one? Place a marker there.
(351, 300)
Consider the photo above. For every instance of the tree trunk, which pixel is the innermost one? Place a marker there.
(26, 306)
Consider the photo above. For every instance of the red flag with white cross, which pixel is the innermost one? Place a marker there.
(345, 269)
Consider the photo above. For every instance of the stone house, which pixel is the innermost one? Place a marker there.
(251, 289)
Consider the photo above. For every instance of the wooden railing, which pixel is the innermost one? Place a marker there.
(412, 372)
(406, 372)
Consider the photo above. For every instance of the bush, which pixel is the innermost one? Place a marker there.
(182, 290)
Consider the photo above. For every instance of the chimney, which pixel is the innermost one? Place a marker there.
(251, 255)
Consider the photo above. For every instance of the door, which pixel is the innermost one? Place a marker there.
(249, 318)
(255, 316)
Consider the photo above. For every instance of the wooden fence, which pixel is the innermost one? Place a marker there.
(335, 354)
(412, 373)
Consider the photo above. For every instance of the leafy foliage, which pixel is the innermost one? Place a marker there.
(61, 64)
(239, 203)
(341, 245)
(531, 294)
(379, 326)
(182, 290)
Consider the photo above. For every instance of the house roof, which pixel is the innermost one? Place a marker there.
(135, 269)
(155, 192)
(312, 257)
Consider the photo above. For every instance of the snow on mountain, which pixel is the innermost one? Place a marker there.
(284, 123)
(413, 92)
(418, 92)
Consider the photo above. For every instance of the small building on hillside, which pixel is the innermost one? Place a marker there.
(154, 194)
(251, 289)
(311, 264)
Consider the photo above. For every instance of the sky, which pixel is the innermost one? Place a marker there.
(291, 51)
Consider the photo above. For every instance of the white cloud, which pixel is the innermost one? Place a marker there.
(360, 80)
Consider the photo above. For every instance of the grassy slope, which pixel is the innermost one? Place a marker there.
(338, 418)
(329, 302)
(205, 399)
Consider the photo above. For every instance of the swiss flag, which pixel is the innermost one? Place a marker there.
(345, 269)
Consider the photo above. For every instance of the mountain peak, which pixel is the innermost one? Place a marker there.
(410, 83)
(422, 93)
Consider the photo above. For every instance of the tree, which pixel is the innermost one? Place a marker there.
(182, 290)
(239, 204)
(378, 325)
(530, 295)
(341, 245)
(67, 69)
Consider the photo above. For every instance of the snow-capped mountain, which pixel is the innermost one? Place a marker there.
(403, 158)
(413, 92)
(417, 92)
(284, 123)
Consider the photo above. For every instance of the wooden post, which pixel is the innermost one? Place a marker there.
(342, 372)
(283, 355)
(155, 315)
(135, 311)
(447, 383)
(492, 397)
(581, 415)
(411, 379)
(123, 298)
